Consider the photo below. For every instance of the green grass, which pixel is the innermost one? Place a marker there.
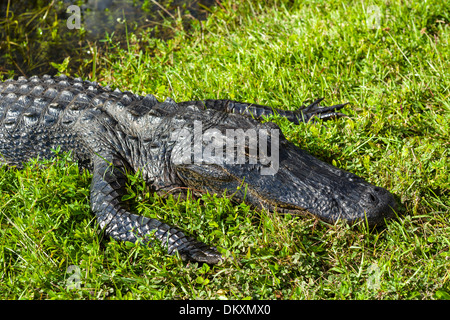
(396, 77)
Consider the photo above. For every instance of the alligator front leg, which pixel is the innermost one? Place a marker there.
(108, 187)
(302, 114)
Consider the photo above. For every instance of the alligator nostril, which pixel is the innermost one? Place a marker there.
(372, 197)
(376, 189)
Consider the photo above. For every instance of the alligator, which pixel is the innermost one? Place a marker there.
(176, 147)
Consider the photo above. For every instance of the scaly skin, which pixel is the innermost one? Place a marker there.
(113, 133)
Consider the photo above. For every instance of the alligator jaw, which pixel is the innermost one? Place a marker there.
(374, 217)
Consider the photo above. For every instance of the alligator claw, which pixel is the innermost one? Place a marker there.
(332, 115)
(314, 111)
(311, 106)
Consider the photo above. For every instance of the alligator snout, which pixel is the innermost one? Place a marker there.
(379, 203)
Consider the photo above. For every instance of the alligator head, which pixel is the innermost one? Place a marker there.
(290, 180)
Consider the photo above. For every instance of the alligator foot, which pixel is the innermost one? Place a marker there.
(314, 111)
(199, 252)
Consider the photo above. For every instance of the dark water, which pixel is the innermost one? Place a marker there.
(35, 33)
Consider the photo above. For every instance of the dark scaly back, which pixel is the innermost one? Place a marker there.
(38, 115)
